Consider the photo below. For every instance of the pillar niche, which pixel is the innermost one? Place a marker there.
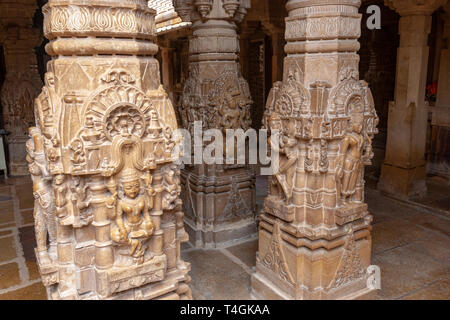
(314, 233)
(439, 160)
(107, 192)
(22, 81)
(219, 199)
(403, 172)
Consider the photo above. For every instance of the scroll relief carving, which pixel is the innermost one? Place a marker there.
(117, 134)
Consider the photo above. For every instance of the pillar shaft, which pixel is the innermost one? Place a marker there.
(219, 199)
(404, 170)
(439, 163)
(314, 234)
(22, 81)
(101, 158)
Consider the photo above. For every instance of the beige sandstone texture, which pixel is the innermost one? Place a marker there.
(22, 82)
(314, 234)
(106, 190)
(219, 200)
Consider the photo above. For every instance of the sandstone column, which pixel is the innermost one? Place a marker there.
(22, 81)
(314, 234)
(439, 163)
(106, 189)
(404, 169)
(219, 200)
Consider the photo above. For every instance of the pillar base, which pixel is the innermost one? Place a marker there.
(402, 182)
(219, 206)
(263, 289)
(221, 236)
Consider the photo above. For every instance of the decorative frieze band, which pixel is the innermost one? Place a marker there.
(311, 28)
(119, 21)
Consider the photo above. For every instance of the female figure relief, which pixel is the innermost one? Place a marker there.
(133, 222)
(350, 161)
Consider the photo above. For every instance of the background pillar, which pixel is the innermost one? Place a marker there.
(22, 81)
(403, 172)
(101, 158)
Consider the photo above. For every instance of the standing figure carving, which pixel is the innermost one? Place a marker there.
(103, 139)
(44, 206)
(322, 121)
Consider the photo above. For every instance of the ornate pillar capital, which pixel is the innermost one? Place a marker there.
(414, 7)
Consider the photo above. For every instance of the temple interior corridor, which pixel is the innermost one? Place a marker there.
(136, 135)
(411, 245)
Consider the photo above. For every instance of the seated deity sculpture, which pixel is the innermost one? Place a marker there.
(133, 222)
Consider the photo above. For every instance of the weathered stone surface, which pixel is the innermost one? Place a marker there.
(219, 200)
(314, 234)
(404, 169)
(101, 158)
(22, 82)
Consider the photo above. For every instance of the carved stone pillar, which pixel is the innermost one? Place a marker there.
(314, 234)
(439, 162)
(22, 82)
(106, 189)
(219, 200)
(404, 169)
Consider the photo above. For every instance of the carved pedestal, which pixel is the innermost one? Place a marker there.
(314, 234)
(22, 82)
(219, 200)
(106, 189)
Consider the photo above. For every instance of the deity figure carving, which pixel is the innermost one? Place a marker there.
(172, 187)
(133, 222)
(350, 159)
(44, 206)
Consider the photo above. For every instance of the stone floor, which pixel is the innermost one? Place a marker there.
(411, 244)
